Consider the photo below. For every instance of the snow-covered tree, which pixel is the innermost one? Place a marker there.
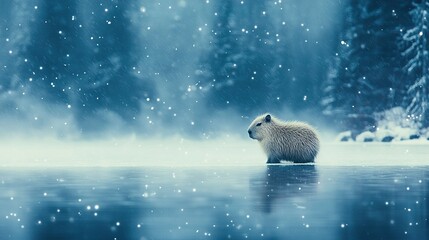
(417, 55)
(363, 74)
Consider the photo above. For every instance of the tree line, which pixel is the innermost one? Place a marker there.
(381, 64)
(351, 67)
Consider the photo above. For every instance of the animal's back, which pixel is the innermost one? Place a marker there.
(292, 141)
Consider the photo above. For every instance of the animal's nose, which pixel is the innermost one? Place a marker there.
(250, 132)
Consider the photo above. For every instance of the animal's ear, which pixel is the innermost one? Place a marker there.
(268, 118)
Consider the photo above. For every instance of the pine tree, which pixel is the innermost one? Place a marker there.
(81, 56)
(219, 67)
(416, 40)
(347, 81)
(259, 65)
(239, 66)
(55, 53)
(15, 31)
(109, 82)
(364, 73)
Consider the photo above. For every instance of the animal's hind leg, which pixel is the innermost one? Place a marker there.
(273, 160)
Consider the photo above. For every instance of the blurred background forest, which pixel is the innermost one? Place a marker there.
(197, 68)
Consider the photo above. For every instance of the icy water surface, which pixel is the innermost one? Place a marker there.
(247, 202)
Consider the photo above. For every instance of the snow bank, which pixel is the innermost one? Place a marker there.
(178, 152)
(366, 136)
(392, 125)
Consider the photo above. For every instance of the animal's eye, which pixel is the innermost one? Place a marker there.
(258, 124)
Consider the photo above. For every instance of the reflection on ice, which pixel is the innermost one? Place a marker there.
(281, 182)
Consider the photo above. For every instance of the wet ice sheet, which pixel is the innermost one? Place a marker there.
(250, 202)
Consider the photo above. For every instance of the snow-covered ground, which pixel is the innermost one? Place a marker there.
(180, 152)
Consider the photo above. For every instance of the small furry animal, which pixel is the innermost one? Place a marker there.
(291, 141)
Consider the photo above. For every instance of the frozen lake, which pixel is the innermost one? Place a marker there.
(255, 202)
(384, 195)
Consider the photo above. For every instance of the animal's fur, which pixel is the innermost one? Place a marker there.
(291, 141)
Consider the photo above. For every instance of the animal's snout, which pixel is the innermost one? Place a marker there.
(250, 132)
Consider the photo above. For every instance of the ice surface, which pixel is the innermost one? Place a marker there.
(228, 151)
